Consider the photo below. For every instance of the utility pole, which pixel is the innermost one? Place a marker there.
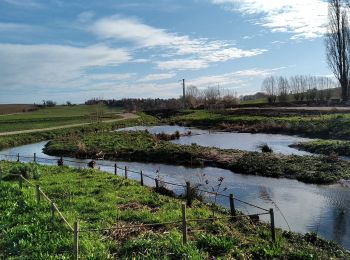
(183, 94)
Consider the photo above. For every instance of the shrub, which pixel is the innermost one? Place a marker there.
(265, 148)
(28, 171)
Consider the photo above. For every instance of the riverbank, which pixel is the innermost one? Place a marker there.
(327, 126)
(102, 200)
(144, 147)
(332, 148)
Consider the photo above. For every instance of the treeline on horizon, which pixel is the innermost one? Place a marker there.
(300, 88)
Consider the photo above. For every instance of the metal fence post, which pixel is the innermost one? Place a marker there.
(184, 224)
(34, 157)
(37, 193)
(115, 169)
(141, 175)
(188, 194)
(76, 240)
(17, 157)
(272, 224)
(157, 183)
(232, 206)
(126, 172)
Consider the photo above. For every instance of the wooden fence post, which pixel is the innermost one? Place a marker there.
(17, 157)
(115, 169)
(141, 175)
(76, 240)
(52, 213)
(232, 206)
(157, 183)
(37, 193)
(188, 194)
(272, 224)
(20, 181)
(126, 172)
(184, 224)
(34, 157)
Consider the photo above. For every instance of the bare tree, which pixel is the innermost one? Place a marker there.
(283, 89)
(295, 86)
(338, 44)
(192, 96)
(269, 87)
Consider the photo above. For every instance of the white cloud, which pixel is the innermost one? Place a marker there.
(202, 50)
(302, 18)
(85, 17)
(109, 77)
(24, 3)
(157, 77)
(51, 66)
(16, 27)
(185, 64)
(235, 79)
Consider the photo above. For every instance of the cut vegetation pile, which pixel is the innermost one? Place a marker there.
(101, 200)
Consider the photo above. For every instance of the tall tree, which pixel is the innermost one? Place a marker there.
(269, 87)
(338, 44)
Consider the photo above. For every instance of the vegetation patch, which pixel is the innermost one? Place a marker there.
(99, 201)
(22, 139)
(144, 147)
(328, 126)
(328, 147)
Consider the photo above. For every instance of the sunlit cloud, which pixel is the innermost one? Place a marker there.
(302, 18)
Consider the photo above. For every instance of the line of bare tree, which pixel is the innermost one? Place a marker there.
(210, 98)
(298, 88)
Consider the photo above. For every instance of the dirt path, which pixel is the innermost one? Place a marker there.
(124, 117)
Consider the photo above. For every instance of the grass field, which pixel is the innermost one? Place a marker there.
(57, 116)
(8, 141)
(100, 200)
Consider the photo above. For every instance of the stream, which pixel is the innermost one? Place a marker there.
(324, 209)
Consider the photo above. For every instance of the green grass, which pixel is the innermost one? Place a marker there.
(22, 139)
(327, 147)
(254, 102)
(142, 146)
(100, 200)
(56, 116)
(330, 126)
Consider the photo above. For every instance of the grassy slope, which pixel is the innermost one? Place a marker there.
(332, 126)
(101, 200)
(55, 116)
(141, 146)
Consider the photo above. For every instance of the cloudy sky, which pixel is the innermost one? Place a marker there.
(79, 49)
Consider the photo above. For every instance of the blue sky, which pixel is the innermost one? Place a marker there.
(76, 50)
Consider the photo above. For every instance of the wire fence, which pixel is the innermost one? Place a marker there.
(189, 196)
